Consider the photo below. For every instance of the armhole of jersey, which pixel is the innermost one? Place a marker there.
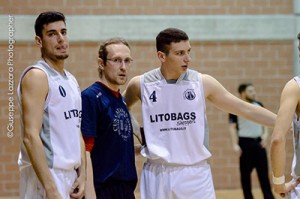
(142, 82)
(297, 79)
(22, 76)
(202, 89)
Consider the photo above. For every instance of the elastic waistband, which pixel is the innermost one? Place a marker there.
(160, 162)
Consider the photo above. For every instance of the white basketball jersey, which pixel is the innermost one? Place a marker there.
(60, 132)
(174, 118)
(296, 129)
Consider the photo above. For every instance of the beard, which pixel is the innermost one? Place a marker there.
(53, 55)
(62, 57)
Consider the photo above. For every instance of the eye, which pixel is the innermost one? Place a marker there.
(64, 32)
(180, 53)
(128, 61)
(117, 60)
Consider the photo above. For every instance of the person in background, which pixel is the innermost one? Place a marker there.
(249, 140)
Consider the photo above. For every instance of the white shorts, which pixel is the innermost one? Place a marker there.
(176, 182)
(31, 187)
(295, 193)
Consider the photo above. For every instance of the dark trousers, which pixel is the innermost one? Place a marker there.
(254, 156)
(115, 190)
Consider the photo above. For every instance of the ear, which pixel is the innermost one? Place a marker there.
(161, 56)
(100, 64)
(38, 41)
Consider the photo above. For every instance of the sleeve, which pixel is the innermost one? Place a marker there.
(90, 115)
(232, 118)
(89, 143)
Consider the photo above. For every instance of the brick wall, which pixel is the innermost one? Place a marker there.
(267, 64)
(151, 7)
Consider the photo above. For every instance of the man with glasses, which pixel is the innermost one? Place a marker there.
(106, 127)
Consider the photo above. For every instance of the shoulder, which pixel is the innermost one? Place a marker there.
(91, 90)
(134, 83)
(34, 75)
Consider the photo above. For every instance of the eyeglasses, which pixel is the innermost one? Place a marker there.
(119, 61)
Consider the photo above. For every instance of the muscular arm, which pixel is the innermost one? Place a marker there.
(34, 89)
(289, 100)
(227, 102)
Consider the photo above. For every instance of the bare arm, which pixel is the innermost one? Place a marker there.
(289, 99)
(90, 190)
(79, 183)
(34, 88)
(133, 92)
(234, 138)
(227, 102)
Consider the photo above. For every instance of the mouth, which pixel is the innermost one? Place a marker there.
(184, 66)
(62, 48)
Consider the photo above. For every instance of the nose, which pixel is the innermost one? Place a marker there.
(123, 65)
(187, 58)
(60, 37)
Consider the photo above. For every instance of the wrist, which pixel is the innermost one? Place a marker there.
(278, 180)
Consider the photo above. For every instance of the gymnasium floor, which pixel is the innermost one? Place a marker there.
(221, 194)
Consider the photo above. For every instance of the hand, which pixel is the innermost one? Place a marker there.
(78, 187)
(286, 188)
(237, 149)
(263, 142)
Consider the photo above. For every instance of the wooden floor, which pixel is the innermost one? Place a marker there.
(221, 194)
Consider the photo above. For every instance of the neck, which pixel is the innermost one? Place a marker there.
(57, 65)
(109, 85)
(169, 75)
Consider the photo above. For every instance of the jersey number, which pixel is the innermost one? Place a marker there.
(153, 96)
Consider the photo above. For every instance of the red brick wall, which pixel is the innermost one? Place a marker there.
(267, 64)
(151, 7)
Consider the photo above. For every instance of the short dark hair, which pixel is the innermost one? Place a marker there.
(298, 36)
(102, 52)
(167, 36)
(243, 87)
(45, 18)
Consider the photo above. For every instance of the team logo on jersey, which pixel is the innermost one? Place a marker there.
(189, 94)
(122, 124)
(62, 91)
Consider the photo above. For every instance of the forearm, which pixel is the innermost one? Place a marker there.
(38, 160)
(233, 135)
(278, 156)
(82, 168)
(259, 115)
(90, 190)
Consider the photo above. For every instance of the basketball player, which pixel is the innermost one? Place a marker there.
(107, 128)
(52, 157)
(289, 112)
(176, 131)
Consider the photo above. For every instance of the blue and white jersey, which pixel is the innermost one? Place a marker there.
(174, 118)
(296, 130)
(60, 132)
